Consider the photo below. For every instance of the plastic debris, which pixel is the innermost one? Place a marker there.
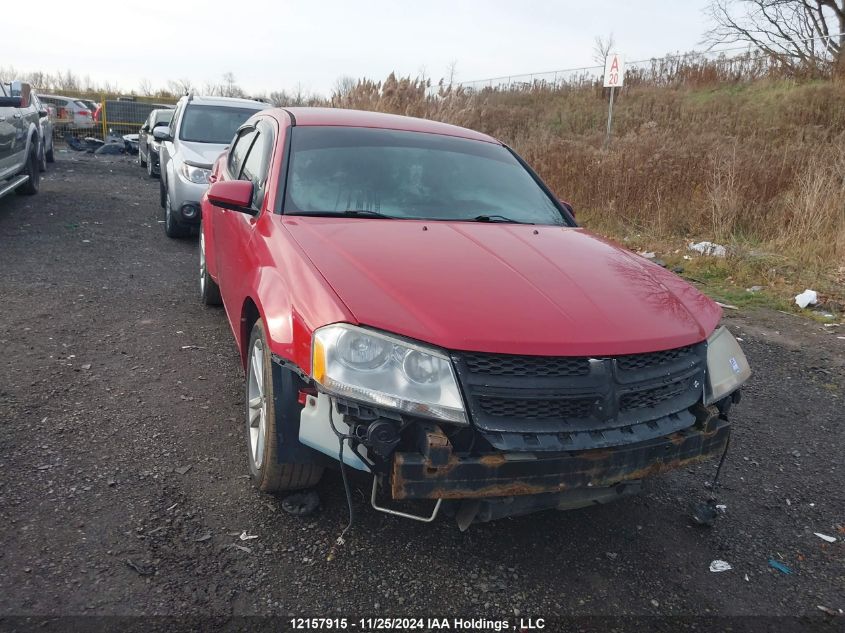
(183, 469)
(302, 503)
(828, 610)
(825, 537)
(774, 564)
(247, 537)
(746, 578)
(808, 297)
(727, 306)
(720, 565)
(704, 512)
(647, 254)
(243, 548)
(754, 289)
(708, 248)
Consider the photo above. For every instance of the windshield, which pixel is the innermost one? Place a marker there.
(411, 175)
(212, 124)
(163, 116)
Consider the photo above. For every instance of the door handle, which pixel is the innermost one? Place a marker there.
(17, 115)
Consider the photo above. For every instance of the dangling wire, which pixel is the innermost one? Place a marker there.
(341, 438)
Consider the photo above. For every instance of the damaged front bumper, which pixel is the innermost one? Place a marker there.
(437, 473)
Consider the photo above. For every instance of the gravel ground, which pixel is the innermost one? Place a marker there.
(124, 487)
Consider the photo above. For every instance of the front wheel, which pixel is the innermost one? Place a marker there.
(209, 290)
(171, 226)
(266, 471)
(33, 170)
(49, 155)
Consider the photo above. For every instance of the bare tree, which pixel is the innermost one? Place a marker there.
(602, 47)
(344, 85)
(797, 33)
(180, 86)
(452, 69)
(145, 87)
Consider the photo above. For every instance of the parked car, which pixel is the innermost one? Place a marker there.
(20, 144)
(409, 299)
(147, 145)
(200, 129)
(70, 111)
(45, 132)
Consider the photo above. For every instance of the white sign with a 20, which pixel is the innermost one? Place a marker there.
(614, 71)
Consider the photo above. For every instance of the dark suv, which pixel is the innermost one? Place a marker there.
(20, 145)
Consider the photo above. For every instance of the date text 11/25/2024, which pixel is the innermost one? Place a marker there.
(421, 624)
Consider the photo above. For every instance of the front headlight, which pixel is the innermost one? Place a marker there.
(192, 173)
(727, 367)
(372, 367)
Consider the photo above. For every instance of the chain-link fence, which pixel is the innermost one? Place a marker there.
(78, 116)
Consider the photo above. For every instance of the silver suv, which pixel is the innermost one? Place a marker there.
(20, 140)
(200, 130)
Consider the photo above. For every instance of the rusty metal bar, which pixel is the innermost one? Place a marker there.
(498, 474)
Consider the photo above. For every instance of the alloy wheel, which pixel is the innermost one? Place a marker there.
(202, 263)
(256, 404)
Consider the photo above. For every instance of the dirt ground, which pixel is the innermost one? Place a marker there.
(124, 486)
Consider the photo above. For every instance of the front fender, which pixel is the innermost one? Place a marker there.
(271, 298)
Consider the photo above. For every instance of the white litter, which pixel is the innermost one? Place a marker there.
(247, 537)
(825, 537)
(708, 248)
(720, 565)
(721, 507)
(727, 306)
(647, 254)
(808, 297)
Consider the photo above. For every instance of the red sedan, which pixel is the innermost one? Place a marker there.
(410, 300)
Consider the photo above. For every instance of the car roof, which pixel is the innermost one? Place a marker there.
(228, 101)
(361, 118)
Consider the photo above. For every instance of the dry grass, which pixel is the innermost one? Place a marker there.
(758, 165)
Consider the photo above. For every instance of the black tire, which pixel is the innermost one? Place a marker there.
(162, 193)
(209, 290)
(270, 475)
(49, 155)
(42, 159)
(33, 170)
(172, 228)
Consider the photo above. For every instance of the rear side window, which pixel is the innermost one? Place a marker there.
(82, 104)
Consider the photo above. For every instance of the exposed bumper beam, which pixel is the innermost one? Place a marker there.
(500, 475)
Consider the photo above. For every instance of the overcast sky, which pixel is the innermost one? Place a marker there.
(278, 44)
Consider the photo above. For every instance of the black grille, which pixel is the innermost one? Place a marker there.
(586, 401)
(534, 409)
(650, 398)
(652, 359)
(507, 365)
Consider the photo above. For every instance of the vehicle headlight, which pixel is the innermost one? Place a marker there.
(192, 173)
(727, 367)
(369, 366)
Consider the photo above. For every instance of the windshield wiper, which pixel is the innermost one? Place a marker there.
(494, 217)
(354, 213)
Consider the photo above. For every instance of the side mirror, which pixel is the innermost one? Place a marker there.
(10, 102)
(160, 123)
(567, 206)
(161, 134)
(235, 195)
(42, 112)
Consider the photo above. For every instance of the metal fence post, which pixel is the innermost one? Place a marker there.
(103, 115)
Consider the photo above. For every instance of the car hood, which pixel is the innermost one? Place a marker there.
(201, 153)
(505, 288)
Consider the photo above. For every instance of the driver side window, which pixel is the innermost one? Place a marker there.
(239, 149)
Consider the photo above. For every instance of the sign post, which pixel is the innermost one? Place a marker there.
(614, 75)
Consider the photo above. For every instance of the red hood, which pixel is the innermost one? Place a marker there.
(506, 288)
